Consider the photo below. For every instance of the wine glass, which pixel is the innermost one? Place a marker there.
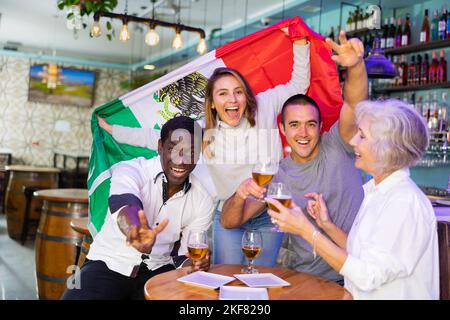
(197, 244)
(251, 246)
(279, 191)
(263, 172)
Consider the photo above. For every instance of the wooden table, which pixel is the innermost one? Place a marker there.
(303, 286)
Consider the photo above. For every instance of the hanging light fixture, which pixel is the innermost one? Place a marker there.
(201, 48)
(96, 31)
(124, 33)
(177, 42)
(152, 37)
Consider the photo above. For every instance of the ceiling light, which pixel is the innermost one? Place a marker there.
(152, 37)
(177, 41)
(149, 67)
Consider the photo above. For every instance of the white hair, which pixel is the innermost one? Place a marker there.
(400, 133)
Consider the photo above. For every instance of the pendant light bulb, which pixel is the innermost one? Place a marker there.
(152, 37)
(201, 48)
(96, 31)
(124, 34)
(177, 41)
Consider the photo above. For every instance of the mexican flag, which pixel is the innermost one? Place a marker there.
(264, 58)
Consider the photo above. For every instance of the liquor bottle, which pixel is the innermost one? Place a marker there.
(350, 21)
(406, 37)
(424, 70)
(441, 73)
(391, 34)
(434, 113)
(412, 71)
(357, 19)
(425, 31)
(444, 112)
(426, 108)
(447, 25)
(398, 68)
(398, 34)
(385, 34)
(432, 71)
(418, 105)
(418, 70)
(434, 27)
(404, 67)
(442, 30)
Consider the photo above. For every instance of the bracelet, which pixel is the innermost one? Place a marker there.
(314, 238)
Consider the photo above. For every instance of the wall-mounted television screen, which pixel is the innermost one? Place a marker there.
(53, 84)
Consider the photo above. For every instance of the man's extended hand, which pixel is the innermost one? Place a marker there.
(349, 52)
(142, 237)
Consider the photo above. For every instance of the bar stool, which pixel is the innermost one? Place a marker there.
(81, 226)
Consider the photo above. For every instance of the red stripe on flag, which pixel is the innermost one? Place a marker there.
(265, 63)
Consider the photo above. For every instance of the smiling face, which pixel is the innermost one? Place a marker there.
(362, 144)
(302, 130)
(229, 99)
(178, 157)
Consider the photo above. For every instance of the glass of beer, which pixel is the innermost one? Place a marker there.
(263, 172)
(197, 244)
(279, 191)
(251, 246)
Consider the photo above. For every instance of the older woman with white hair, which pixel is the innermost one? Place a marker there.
(391, 251)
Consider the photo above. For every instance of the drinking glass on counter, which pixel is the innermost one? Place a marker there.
(251, 246)
(197, 244)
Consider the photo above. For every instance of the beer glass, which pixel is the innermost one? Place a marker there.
(197, 244)
(251, 246)
(279, 191)
(263, 172)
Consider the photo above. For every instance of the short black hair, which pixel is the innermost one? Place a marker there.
(300, 99)
(179, 122)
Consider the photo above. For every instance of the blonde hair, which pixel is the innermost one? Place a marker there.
(211, 114)
(400, 133)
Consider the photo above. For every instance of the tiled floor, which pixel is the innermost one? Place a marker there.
(17, 267)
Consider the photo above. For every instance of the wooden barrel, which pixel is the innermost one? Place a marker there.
(25, 176)
(81, 225)
(56, 241)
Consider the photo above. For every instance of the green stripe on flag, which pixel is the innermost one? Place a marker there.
(105, 153)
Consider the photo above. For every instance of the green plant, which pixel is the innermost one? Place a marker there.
(88, 6)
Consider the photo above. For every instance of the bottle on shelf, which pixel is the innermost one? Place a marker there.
(444, 112)
(426, 108)
(398, 77)
(350, 25)
(384, 36)
(391, 34)
(441, 73)
(357, 19)
(367, 19)
(404, 66)
(418, 70)
(418, 105)
(425, 31)
(434, 26)
(412, 71)
(398, 34)
(442, 29)
(424, 70)
(432, 71)
(434, 113)
(406, 37)
(447, 26)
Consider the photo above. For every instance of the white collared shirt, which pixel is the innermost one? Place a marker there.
(392, 245)
(191, 208)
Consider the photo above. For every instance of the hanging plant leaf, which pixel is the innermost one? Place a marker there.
(108, 25)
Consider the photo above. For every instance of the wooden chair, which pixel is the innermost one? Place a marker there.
(444, 259)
